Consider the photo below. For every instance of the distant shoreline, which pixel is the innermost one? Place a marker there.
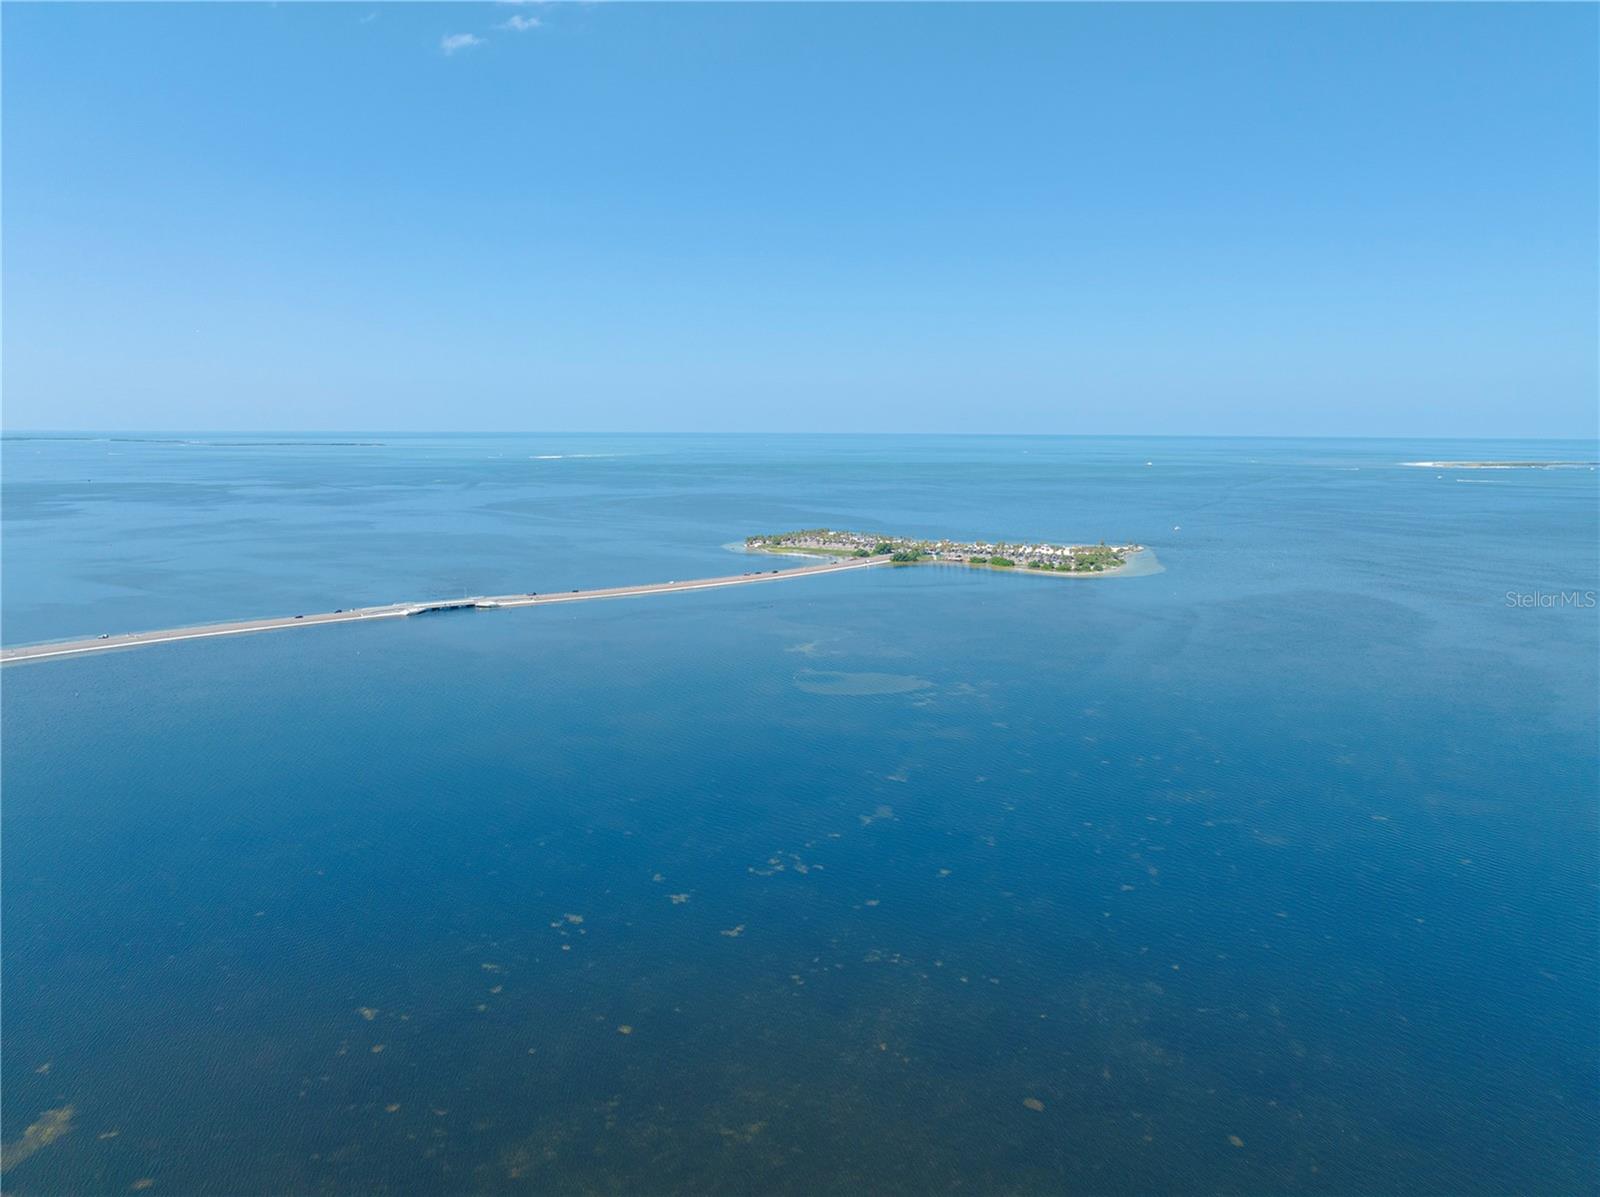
(1502, 465)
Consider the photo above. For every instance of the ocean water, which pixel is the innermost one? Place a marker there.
(1271, 872)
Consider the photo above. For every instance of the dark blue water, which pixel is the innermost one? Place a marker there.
(1272, 872)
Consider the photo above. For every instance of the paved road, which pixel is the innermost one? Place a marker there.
(77, 648)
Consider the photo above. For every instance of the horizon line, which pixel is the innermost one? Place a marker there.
(86, 433)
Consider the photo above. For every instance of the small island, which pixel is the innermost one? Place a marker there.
(901, 550)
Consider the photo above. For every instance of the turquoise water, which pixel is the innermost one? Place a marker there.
(1271, 872)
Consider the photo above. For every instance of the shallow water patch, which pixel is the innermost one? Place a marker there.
(828, 681)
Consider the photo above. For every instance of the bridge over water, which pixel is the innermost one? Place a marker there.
(76, 648)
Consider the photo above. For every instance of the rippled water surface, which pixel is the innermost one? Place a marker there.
(1274, 871)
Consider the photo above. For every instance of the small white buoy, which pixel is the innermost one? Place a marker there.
(1174, 527)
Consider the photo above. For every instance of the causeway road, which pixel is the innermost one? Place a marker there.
(76, 648)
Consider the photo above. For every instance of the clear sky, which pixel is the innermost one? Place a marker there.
(1256, 219)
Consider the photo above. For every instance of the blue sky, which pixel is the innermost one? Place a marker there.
(1252, 219)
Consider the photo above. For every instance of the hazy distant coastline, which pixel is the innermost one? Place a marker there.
(1502, 465)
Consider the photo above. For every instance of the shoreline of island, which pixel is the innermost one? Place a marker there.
(1056, 560)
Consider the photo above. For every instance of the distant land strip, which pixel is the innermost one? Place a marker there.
(1503, 465)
